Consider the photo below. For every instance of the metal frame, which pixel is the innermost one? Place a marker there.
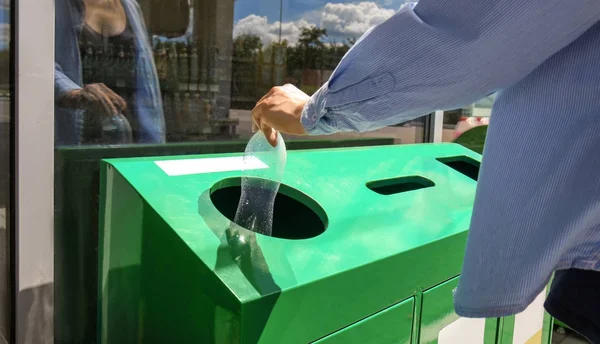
(437, 129)
(34, 171)
(433, 128)
(10, 214)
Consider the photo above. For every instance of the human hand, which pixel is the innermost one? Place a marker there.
(280, 110)
(95, 97)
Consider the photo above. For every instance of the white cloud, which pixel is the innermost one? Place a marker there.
(352, 20)
(269, 32)
(340, 19)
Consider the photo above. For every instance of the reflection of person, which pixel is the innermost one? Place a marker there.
(120, 76)
(536, 209)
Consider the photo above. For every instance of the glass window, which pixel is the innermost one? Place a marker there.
(191, 70)
(5, 118)
(468, 125)
(167, 77)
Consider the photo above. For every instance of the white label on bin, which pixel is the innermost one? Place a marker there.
(210, 165)
(464, 331)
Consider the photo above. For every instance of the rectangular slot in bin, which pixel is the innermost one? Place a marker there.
(398, 185)
(463, 164)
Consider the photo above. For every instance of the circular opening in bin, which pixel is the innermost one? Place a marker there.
(295, 215)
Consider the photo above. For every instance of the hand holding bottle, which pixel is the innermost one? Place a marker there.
(97, 98)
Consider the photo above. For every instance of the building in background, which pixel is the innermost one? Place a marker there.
(193, 54)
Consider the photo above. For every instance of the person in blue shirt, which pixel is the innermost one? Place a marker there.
(537, 206)
(120, 82)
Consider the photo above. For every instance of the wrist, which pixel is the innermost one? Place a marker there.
(69, 98)
(313, 110)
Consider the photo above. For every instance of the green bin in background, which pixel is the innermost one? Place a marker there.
(367, 247)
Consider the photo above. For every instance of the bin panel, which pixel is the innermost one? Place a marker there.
(527, 327)
(392, 325)
(439, 323)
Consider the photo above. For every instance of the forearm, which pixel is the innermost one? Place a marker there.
(63, 85)
(440, 55)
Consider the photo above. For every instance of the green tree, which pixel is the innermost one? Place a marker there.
(245, 70)
(246, 45)
(309, 52)
(312, 36)
(335, 51)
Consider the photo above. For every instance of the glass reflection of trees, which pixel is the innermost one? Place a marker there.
(308, 64)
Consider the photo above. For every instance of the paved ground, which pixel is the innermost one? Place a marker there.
(567, 338)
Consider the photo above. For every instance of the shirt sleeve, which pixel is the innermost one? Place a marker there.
(62, 83)
(442, 54)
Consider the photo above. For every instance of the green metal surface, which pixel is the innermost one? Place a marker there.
(491, 330)
(506, 330)
(392, 325)
(184, 273)
(438, 311)
(548, 330)
(549, 321)
(77, 178)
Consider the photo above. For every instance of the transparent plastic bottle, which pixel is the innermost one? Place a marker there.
(116, 130)
(260, 185)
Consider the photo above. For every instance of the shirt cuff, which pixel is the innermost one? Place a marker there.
(315, 119)
(63, 85)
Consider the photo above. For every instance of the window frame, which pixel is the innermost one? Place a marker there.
(33, 170)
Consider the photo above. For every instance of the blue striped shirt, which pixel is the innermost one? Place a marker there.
(537, 207)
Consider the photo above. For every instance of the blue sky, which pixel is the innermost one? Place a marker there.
(294, 9)
(342, 18)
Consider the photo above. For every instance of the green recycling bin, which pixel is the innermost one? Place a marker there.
(367, 247)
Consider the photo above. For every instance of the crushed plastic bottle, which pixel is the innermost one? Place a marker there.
(260, 186)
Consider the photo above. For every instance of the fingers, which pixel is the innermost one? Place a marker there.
(267, 128)
(271, 91)
(115, 98)
(87, 99)
(256, 114)
(258, 122)
(104, 100)
(270, 135)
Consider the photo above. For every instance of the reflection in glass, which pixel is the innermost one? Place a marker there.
(105, 68)
(458, 122)
(301, 43)
(191, 70)
(5, 99)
